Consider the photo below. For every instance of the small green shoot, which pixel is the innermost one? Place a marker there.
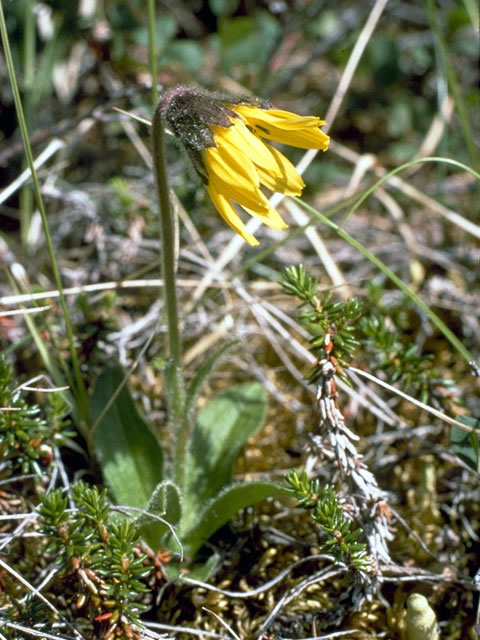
(340, 539)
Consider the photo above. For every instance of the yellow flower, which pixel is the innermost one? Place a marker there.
(225, 140)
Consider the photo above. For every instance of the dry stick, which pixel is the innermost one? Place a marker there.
(179, 629)
(366, 162)
(36, 634)
(347, 76)
(262, 588)
(222, 622)
(354, 59)
(20, 312)
(301, 217)
(100, 286)
(321, 576)
(435, 132)
(315, 238)
(396, 212)
(54, 146)
(109, 286)
(422, 405)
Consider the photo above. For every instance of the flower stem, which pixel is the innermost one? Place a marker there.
(173, 371)
(152, 53)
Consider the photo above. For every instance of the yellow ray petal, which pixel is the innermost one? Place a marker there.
(231, 217)
(279, 118)
(230, 165)
(301, 138)
(280, 175)
(286, 127)
(275, 171)
(252, 197)
(248, 143)
(272, 218)
(234, 175)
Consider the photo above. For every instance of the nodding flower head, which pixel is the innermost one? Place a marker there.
(225, 138)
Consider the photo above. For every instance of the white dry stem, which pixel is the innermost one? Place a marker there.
(337, 438)
(52, 148)
(227, 626)
(318, 244)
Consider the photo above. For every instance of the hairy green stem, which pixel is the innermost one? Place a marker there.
(152, 50)
(174, 373)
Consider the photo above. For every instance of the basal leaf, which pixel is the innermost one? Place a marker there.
(128, 452)
(221, 429)
(203, 372)
(162, 514)
(225, 505)
(465, 444)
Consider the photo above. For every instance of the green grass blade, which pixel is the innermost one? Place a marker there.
(79, 390)
(452, 75)
(406, 165)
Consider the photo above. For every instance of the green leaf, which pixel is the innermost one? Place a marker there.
(186, 52)
(165, 29)
(166, 503)
(382, 59)
(203, 373)
(203, 571)
(198, 571)
(225, 505)
(222, 428)
(247, 40)
(128, 452)
(222, 8)
(465, 444)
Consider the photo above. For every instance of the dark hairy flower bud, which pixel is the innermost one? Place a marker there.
(190, 114)
(226, 138)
